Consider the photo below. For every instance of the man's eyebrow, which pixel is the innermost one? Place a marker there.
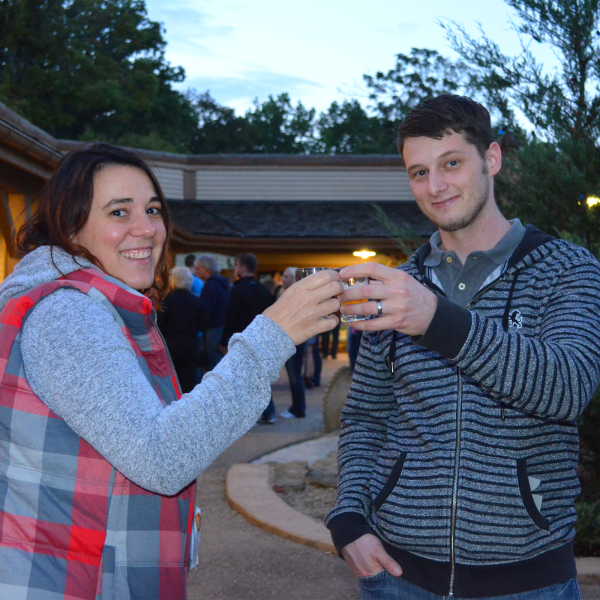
(441, 156)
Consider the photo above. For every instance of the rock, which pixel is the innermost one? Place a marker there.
(335, 398)
(324, 472)
(286, 477)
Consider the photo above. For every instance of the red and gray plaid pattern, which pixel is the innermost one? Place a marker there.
(71, 526)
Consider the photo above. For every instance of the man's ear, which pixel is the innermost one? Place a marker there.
(494, 158)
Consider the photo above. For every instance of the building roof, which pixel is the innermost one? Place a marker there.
(308, 219)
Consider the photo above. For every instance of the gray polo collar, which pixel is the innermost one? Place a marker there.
(499, 254)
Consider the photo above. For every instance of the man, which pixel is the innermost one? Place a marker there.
(459, 442)
(294, 365)
(197, 284)
(215, 294)
(247, 299)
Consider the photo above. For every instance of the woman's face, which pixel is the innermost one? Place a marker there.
(125, 230)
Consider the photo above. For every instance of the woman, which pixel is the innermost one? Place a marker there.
(181, 317)
(97, 458)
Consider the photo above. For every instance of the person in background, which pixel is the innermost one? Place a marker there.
(215, 295)
(247, 298)
(354, 338)
(294, 365)
(334, 335)
(181, 317)
(313, 364)
(100, 450)
(197, 283)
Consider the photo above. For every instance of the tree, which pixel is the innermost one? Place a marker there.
(417, 76)
(556, 169)
(275, 126)
(92, 69)
(347, 128)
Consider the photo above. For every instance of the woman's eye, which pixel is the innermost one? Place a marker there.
(154, 210)
(118, 213)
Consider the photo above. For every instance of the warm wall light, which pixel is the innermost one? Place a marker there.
(593, 201)
(364, 253)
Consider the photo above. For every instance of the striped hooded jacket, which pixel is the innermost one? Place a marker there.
(71, 525)
(459, 449)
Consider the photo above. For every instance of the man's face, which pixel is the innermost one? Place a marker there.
(451, 182)
(201, 272)
(239, 271)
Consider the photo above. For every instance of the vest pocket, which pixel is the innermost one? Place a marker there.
(527, 496)
(390, 484)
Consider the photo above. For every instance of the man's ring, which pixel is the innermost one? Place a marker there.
(379, 309)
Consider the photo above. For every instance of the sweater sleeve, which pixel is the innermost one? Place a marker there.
(365, 419)
(552, 376)
(88, 374)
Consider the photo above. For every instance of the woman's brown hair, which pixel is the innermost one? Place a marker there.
(64, 205)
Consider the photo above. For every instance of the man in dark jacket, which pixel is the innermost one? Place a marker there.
(247, 299)
(459, 443)
(215, 295)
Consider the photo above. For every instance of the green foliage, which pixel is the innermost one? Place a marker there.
(84, 69)
(417, 76)
(547, 183)
(403, 235)
(565, 103)
(587, 527)
(275, 126)
(347, 128)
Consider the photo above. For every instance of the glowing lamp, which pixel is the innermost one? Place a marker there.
(369, 253)
(592, 201)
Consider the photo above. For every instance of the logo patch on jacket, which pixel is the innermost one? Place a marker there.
(515, 319)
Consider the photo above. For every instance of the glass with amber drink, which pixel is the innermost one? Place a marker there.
(347, 283)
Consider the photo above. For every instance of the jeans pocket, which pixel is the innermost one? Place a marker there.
(373, 578)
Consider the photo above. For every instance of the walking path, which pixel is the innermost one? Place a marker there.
(241, 558)
(239, 561)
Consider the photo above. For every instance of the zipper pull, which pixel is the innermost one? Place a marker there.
(502, 411)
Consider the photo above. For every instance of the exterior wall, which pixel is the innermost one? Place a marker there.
(346, 184)
(171, 181)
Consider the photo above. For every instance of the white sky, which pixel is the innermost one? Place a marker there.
(316, 50)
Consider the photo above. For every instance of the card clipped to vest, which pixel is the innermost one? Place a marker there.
(195, 538)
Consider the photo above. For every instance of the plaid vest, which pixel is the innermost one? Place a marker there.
(71, 525)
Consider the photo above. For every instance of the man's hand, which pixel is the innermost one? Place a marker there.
(367, 556)
(407, 305)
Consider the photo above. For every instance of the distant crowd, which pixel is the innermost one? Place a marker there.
(204, 309)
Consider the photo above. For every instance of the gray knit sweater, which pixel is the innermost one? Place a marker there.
(88, 374)
(459, 450)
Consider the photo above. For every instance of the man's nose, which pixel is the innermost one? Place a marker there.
(436, 183)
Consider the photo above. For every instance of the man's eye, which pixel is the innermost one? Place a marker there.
(420, 174)
(453, 163)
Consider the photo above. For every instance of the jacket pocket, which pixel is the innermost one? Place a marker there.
(527, 496)
(390, 484)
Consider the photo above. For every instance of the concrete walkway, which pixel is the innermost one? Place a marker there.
(239, 561)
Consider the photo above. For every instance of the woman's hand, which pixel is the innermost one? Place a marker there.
(301, 309)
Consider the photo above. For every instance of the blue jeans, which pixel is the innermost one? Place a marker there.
(385, 587)
(294, 370)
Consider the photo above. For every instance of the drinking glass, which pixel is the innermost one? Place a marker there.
(346, 283)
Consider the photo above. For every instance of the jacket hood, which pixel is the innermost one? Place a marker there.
(44, 264)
